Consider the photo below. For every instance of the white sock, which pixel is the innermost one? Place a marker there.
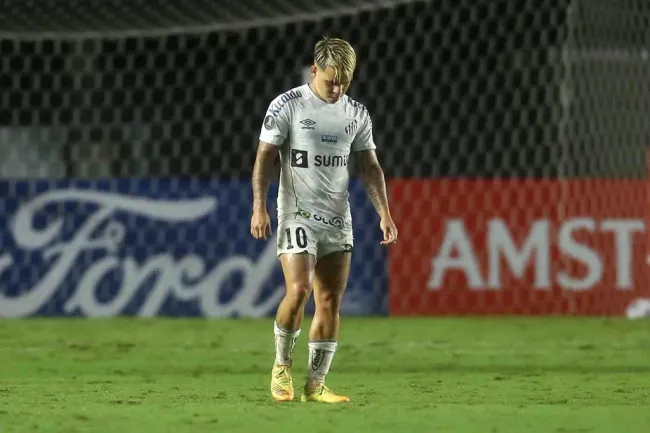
(320, 359)
(284, 342)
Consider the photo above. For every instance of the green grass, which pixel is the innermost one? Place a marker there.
(411, 375)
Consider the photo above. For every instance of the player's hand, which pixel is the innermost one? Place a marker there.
(390, 231)
(261, 224)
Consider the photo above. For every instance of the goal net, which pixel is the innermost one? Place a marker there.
(513, 137)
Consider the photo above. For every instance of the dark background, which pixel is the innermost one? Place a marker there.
(455, 88)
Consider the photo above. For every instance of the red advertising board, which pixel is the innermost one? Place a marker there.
(518, 246)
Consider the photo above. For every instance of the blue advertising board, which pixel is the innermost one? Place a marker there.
(158, 247)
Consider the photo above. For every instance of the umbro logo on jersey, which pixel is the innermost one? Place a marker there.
(307, 124)
(299, 158)
(351, 129)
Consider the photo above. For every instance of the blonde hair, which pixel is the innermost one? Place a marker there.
(337, 54)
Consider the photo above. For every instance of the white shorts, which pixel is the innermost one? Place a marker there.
(296, 236)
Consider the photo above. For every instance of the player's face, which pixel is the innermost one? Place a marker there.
(327, 86)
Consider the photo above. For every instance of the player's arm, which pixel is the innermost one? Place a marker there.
(262, 170)
(375, 183)
(274, 132)
(373, 178)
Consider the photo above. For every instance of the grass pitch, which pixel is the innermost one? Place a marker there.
(412, 375)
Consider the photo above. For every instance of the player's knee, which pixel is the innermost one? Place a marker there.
(328, 301)
(299, 293)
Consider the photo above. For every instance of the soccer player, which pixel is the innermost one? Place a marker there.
(315, 128)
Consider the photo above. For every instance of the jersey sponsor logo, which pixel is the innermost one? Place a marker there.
(276, 107)
(299, 158)
(331, 160)
(307, 124)
(351, 128)
(329, 139)
(269, 122)
(336, 222)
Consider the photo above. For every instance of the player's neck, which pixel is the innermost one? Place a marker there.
(313, 90)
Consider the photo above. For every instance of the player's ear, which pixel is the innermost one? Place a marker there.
(314, 68)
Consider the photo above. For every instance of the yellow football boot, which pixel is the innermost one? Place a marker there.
(322, 394)
(282, 383)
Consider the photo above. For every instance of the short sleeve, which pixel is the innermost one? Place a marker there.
(275, 127)
(364, 139)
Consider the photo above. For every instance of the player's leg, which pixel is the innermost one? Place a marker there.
(330, 279)
(297, 257)
(298, 272)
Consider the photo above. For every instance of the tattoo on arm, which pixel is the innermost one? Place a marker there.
(375, 183)
(262, 173)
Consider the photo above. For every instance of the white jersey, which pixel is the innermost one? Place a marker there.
(316, 139)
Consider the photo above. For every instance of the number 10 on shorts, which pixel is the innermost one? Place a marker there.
(300, 237)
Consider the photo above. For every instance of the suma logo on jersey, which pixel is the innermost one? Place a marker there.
(300, 159)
